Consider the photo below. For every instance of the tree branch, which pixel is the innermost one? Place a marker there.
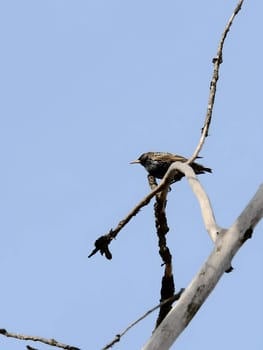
(206, 279)
(206, 209)
(213, 84)
(167, 287)
(147, 313)
(217, 61)
(51, 342)
(103, 242)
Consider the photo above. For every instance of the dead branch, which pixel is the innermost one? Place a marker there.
(226, 246)
(147, 313)
(51, 342)
(206, 209)
(102, 243)
(167, 287)
(217, 61)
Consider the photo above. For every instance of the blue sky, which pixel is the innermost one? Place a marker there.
(86, 87)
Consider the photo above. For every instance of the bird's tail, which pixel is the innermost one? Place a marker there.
(200, 169)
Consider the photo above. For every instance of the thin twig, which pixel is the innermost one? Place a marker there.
(217, 62)
(31, 347)
(147, 313)
(51, 342)
(107, 238)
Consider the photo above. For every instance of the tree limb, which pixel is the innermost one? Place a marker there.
(206, 209)
(51, 342)
(206, 279)
(147, 313)
(167, 287)
(213, 84)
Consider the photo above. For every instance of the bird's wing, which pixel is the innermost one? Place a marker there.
(170, 158)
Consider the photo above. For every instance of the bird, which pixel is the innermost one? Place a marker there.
(157, 164)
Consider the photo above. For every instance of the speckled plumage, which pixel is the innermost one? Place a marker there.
(157, 164)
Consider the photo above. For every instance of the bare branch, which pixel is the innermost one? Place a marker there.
(147, 313)
(213, 84)
(207, 212)
(217, 61)
(167, 287)
(206, 279)
(51, 342)
(103, 242)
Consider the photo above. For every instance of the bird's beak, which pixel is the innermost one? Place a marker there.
(137, 161)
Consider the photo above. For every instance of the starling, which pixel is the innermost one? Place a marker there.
(157, 164)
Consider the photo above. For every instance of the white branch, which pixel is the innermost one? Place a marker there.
(226, 246)
(207, 212)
